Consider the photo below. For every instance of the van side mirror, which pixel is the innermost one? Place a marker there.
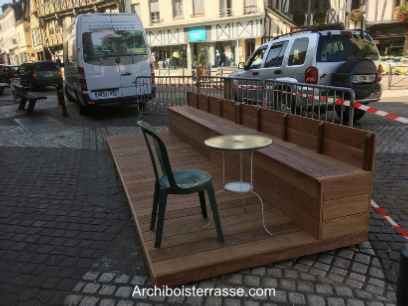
(241, 65)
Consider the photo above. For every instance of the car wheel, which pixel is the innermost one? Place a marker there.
(1, 90)
(83, 109)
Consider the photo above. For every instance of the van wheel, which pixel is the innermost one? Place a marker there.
(141, 106)
(83, 110)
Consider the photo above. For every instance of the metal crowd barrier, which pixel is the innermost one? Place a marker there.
(326, 103)
(397, 76)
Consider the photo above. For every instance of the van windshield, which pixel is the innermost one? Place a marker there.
(335, 48)
(108, 45)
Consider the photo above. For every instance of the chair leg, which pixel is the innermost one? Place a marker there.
(160, 218)
(155, 205)
(201, 195)
(214, 208)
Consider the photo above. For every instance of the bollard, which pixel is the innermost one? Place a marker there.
(61, 100)
(402, 285)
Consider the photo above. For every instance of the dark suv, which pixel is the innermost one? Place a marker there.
(39, 75)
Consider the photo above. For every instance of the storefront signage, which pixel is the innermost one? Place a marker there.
(197, 34)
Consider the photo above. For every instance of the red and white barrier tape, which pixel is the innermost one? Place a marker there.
(382, 212)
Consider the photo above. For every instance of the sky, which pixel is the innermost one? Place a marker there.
(3, 2)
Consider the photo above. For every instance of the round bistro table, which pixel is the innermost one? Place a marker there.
(242, 144)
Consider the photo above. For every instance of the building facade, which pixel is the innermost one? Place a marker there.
(8, 35)
(55, 15)
(209, 33)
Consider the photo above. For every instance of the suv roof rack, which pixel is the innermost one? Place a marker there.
(316, 28)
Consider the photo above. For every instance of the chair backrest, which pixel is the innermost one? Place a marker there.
(158, 153)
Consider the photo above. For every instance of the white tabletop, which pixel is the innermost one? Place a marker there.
(239, 142)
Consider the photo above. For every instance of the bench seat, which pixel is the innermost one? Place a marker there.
(324, 196)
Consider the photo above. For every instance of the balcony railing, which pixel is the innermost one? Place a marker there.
(225, 12)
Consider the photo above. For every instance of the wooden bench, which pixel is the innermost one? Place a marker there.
(21, 92)
(319, 174)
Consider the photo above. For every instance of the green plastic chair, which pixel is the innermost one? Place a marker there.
(177, 182)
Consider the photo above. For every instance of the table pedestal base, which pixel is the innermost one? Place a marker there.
(240, 187)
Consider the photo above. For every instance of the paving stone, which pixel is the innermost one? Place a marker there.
(125, 303)
(106, 277)
(72, 300)
(305, 286)
(375, 304)
(332, 301)
(324, 289)
(291, 274)
(343, 291)
(89, 301)
(355, 284)
(107, 290)
(316, 300)
(252, 280)
(374, 289)
(213, 301)
(287, 284)
(354, 302)
(359, 268)
(275, 272)
(78, 287)
(124, 292)
(138, 280)
(107, 302)
(376, 282)
(296, 298)
(259, 271)
(269, 282)
(91, 276)
(175, 300)
(194, 300)
(376, 272)
(232, 302)
(280, 297)
(251, 303)
(122, 279)
(235, 279)
(91, 288)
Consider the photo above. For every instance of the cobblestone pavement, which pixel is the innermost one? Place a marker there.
(67, 237)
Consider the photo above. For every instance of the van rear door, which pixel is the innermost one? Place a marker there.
(100, 64)
(133, 61)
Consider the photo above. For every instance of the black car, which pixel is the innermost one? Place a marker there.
(39, 75)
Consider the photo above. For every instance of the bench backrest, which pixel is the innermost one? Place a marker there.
(350, 145)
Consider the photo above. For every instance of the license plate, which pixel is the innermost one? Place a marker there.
(110, 93)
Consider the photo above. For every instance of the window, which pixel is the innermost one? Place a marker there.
(154, 11)
(255, 61)
(170, 57)
(224, 54)
(198, 7)
(298, 52)
(276, 54)
(135, 8)
(177, 8)
(103, 47)
(336, 48)
(250, 7)
(225, 8)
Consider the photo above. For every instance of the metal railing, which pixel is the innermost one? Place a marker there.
(326, 103)
(397, 76)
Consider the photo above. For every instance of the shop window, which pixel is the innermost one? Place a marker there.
(298, 52)
(198, 7)
(170, 57)
(250, 7)
(224, 54)
(177, 8)
(276, 55)
(154, 11)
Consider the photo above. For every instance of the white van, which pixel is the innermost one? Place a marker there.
(107, 61)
